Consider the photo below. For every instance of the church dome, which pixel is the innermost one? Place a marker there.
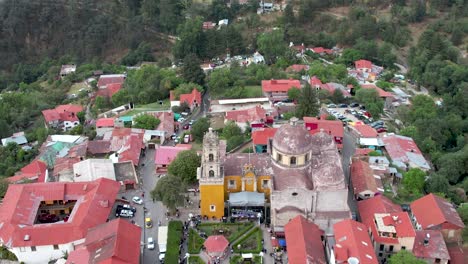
(292, 139)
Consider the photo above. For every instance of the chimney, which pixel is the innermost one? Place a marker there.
(293, 121)
(395, 218)
(210, 130)
(426, 240)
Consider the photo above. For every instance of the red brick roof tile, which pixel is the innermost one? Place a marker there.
(360, 64)
(432, 210)
(279, 85)
(247, 115)
(192, 98)
(362, 177)
(216, 244)
(303, 239)
(261, 136)
(434, 249)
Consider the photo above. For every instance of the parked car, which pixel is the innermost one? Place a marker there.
(125, 213)
(354, 105)
(181, 120)
(377, 124)
(278, 104)
(148, 222)
(343, 106)
(137, 200)
(191, 122)
(150, 244)
(126, 207)
(381, 130)
(186, 127)
(173, 136)
(331, 106)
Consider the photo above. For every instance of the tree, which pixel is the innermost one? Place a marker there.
(413, 181)
(146, 122)
(337, 96)
(4, 183)
(200, 127)
(463, 212)
(307, 103)
(234, 141)
(370, 98)
(437, 184)
(81, 116)
(191, 70)
(142, 53)
(191, 39)
(185, 166)
(169, 190)
(404, 256)
(272, 45)
(294, 93)
(231, 129)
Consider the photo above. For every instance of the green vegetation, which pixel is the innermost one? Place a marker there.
(370, 98)
(146, 122)
(412, 185)
(230, 230)
(169, 190)
(195, 242)
(174, 236)
(463, 212)
(13, 158)
(6, 254)
(406, 257)
(185, 166)
(307, 104)
(199, 128)
(195, 260)
(250, 243)
(234, 136)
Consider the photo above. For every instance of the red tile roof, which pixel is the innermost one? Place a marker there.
(117, 241)
(105, 80)
(435, 249)
(109, 90)
(458, 254)
(132, 149)
(362, 177)
(216, 244)
(360, 64)
(165, 154)
(167, 122)
(208, 25)
(261, 136)
(105, 122)
(366, 131)
(191, 98)
(279, 85)
(98, 147)
(377, 204)
(380, 91)
(247, 115)
(332, 127)
(404, 149)
(352, 240)
(304, 242)
(432, 210)
(21, 204)
(297, 68)
(321, 50)
(64, 165)
(36, 170)
(315, 82)
(62, 113)
(362, 151)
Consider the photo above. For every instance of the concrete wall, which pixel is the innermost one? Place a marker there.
(43, 254)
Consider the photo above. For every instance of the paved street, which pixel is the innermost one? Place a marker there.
(349, 146)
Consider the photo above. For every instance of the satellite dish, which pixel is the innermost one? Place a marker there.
(353, 260)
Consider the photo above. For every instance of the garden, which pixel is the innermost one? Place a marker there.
(195, 242)
(250, 243)
(195, 260)
(238, 260)
(174, 236)
(231, 231)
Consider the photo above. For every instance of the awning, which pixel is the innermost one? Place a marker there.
(247, 256)
(282, 242)
(246, 199)
(370, 142)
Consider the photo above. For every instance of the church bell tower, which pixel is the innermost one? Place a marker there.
(211, 177)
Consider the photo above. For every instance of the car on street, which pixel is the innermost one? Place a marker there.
(381, 130)
(124, 213)
(137, 200)
(278, 104)
(377, 124)
(343, 106)
(148, 222)
(181, 120)
(173, 136)
(354, 105)
(186, 126)
(191, 122)
(331, 106)
(126, 207)
(150, 244)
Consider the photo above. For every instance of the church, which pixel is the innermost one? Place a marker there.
(301, 174)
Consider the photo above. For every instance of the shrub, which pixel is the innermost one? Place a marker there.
(174, 236)
(195, 242)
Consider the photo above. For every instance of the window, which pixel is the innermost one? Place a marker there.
(381, 248)
(307, 157)
(22, 249)
(437, 260)
(265, 184)
(212, 208)
(210, 157)
(232, 184)
(56, 247)
(211, 173)
(380, 254)
(391, 249)
(279, 157)
(293, 161)
(403, 248)
(294, 194)
(33, 248)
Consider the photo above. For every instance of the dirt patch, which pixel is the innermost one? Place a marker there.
(217, 121)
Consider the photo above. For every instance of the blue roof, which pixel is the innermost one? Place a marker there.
(126, 118)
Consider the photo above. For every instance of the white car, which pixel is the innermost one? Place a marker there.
(181, 120)
(150, 244)
(137, 200)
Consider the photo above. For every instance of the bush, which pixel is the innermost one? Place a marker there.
(195, 242)
(250, 243)
(196, 260)
(234, 142)
(174, 236)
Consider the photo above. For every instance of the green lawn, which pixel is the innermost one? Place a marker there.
(231, 231)
(154, 106)
(195, 260)
(174, 236)
(254, 91)
(195, 242)
(250, 243)
(75, 88)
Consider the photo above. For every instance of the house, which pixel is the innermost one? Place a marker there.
(429, 245)
(93, 169)
(350, 242)
(277, 90)
(333, 128)
(65, 207)
(109, 90)
(63, 117)
(103, 125)
(389, 227)
(330, 87)
(432, 212)
(208, 25)
(298, 68)
(366, 136)
(98, 148)
(404, 152)
(126, 143)
(363, 65)
(193, 99)
(386, 96)
(322, 50)
(261, 137)
(256, 117)
(304, 242)
(362, 180)
(166, 154)
(225, 105)
(18, 138)
(36, 171)
(379, 164)
(66, 70)
(117, 241)
(105, 80)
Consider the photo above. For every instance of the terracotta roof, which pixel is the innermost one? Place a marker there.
(434, 249)
(297, 68)
(333, 127)
(304, 242)
(458, 254)
(362, 151)
(109, 90)
(208, 25)
(62, 113)
(117, 241)
(321, 50)
(167, 122)
(352, 240)
(164, 155)
(105, 80)
(131, 150)
(380, 91)
(404, 150)
(98, 147)
(377, 204)
(105, 122)
(261, 136)
(35, 170)
(64, 166)
(253, 114)
(279, 85)
(216, 244)
(360, 64)
(21, 204)
(191, 98)
(366, 131)
(362, 177)
(432, 210)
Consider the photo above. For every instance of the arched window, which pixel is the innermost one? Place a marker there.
(211, 173)
(210, 157)
(280, 157)
(293, 160)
